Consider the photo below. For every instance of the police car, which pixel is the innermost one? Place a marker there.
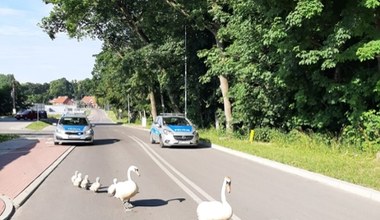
(74, 128)
(172, 129)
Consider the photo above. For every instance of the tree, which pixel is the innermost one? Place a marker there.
(36, 92)
(61, 87)
(211, 16)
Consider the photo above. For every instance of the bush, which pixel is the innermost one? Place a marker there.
(365, 132)
(262, 134)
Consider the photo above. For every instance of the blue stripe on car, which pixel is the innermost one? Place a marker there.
(180, 128)
(74, 127)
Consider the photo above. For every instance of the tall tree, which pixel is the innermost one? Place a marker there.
(36, 92)
(61, 87)
(211, 15)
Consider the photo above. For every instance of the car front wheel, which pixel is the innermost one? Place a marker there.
(162, 142)
(152, 141)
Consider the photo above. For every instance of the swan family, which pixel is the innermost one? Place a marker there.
(123, 190)
(127, 189)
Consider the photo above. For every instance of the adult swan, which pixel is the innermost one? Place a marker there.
(216, 210)
(127, 189)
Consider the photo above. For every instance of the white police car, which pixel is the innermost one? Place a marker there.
(74, 128)
(172, 129)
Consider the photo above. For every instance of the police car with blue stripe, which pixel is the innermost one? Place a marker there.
(171, 129)
(74, 128)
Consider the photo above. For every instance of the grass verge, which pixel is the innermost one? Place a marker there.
(37, 125)
(341, 163)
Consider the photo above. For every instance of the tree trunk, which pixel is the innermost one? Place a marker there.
(153, 105)
(227, 104)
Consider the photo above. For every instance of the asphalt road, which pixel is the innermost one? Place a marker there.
(174, 180)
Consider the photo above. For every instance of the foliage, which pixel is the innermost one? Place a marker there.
(306, 66)
(36, 92)
(61, 87)
(7, 137)
(364, 133)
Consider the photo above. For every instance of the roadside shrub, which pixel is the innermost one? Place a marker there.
(365, 133)
(263, 134)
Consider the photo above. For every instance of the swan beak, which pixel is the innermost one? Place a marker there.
(137, 172)
(229, 187)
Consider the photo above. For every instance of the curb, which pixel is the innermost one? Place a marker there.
(27, 192)
(365, 192)
(10, 205)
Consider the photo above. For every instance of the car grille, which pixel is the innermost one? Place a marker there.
(183, 137)
(73, 133)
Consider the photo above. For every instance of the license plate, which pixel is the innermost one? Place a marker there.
(73, 136)
(184, 142)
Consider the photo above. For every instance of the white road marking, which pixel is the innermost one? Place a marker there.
(160, 162)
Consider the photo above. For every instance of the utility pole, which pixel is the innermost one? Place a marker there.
(185, 72)
(13, 94)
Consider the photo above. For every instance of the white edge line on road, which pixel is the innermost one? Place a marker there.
(163, 168)
(188, 181)
(346, 186)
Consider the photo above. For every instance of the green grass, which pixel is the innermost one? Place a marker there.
(7, 137)
(309, 153)
(37, 125)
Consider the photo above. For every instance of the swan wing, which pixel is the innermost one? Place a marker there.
(111, 189)
(126, 190)
(95, 186)
(214, 210)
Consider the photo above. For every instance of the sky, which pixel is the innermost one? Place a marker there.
(31, 56)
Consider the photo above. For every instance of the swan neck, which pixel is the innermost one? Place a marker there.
(129, 174)
(223, 193)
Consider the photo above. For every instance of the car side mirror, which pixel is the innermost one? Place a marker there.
(55, 124)
(92, 125)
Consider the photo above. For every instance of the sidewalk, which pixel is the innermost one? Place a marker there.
(24, 164)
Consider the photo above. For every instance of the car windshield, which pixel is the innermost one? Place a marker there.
(175, 121)
(73, 121)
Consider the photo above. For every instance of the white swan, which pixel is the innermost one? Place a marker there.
(74, 176)
(112, 188)
(96, 185)
(127, 189)
(78, 180)
(85, 182)
(216, 210)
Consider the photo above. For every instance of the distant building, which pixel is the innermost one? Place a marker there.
(89, 102)
(62, 100)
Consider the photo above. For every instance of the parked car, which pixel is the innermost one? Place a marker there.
(28, 114)
(172, 129)
(74, 128)
(42, 114)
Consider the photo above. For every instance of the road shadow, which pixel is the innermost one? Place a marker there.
(154, 202)
(203, 144)
(13, 149)
(95, 143)
(107, 123)
(105, 141)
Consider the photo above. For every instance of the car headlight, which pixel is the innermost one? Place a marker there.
(89, 132)
(195, 133)
(59, 130)
(167, 132)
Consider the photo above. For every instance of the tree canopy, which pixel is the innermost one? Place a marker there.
(305, 64)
